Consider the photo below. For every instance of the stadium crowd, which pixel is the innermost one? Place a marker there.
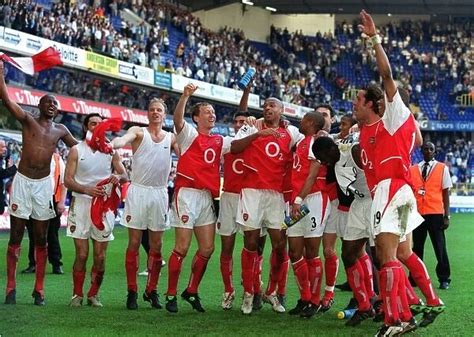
(292, 69)
(356, 185)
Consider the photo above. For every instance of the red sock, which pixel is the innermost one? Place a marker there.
(300, 268)
(78, 278)
(389, 280)
(154, 268)
(282, 280)
(174, 269)
(404, 308)
(13, 254)
(315, 273)
(419, 273)
(41, 255)
(97, 276)
(257, 275)
(226, 272)
(275, 267)
(411, 295)
(248, 261)
(356, 277)
(331, 265)
(366, 264)
(197, 272)
(131, 268)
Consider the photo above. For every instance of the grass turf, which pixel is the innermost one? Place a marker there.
(57, 319)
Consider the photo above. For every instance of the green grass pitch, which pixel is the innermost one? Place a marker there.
(57, 319)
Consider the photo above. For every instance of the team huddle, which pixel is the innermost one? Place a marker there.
(355, 184)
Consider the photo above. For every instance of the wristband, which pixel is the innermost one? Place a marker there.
(374, 40)
(298, 201)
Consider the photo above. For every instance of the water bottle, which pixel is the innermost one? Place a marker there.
(346, 314)
(290, 221)
(246, 79)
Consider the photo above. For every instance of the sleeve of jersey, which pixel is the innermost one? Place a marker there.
(295, 135)
(226, 145)
(310, 150)
(186, 137)
(245, 131)
(396, 113)
(345, 175)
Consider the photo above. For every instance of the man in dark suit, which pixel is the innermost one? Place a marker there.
(4, 173)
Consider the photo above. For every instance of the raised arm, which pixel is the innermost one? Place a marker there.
(383, 65)
(178, 117)
(11, 106)
(68, 138)
(174, 146)
(128, 138)
(244, 100)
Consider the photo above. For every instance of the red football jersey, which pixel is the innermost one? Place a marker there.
(233, 170)
(301, 162)
(267, 158)
(387, 144)
(199, 163)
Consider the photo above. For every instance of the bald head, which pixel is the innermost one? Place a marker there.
(272, 111)
(274, 100)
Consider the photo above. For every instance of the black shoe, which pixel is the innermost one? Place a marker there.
(192, 299)
(444, 285)
(11, 297)
(153, 298)
(343, 286)
(171, 304)
(360, 316)
(430, 315)
(326, 304)
(310, 310)
(58, 270)
(29, 270)
(257, 302)
(282, 300)
(132, 300)
(38, 298)
(352, 304)
(298, 308)
(409, 326)
(390, 330)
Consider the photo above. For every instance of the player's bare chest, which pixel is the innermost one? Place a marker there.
(42, 135)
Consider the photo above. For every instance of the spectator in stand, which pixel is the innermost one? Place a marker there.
(7, 172)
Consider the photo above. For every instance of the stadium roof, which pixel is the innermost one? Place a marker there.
(439, 7)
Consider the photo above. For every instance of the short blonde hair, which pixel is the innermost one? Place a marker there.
(160, 101)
